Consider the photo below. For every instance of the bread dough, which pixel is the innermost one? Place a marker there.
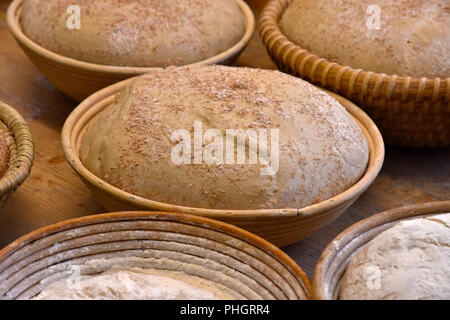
(134, 283)
(412, 38)
(410, 261)
(150, 33)
(322, 150)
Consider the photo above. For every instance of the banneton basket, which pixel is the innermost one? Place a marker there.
(209, 249)
(412, 112)
(78, 79)
(21, 150)
(336, 257)
(280, 226)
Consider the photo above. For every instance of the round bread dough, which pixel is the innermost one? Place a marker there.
(410, 261)
(151, 33)
(321, 149)
(412, 38)
(133, 283)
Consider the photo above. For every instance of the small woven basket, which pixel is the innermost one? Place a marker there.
(413, 112)
(21, 150)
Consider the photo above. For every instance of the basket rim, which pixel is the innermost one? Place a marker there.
(20, 164)
(88, 109)
(411, 87)
(321, 289)
(169, 217)
(15, 28)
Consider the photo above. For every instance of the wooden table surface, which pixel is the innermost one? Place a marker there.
(54, 193)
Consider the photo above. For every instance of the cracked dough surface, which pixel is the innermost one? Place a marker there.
(413, 259)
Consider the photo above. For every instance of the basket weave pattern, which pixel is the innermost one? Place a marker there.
(412, 112)
(21, 151)
(200, 247)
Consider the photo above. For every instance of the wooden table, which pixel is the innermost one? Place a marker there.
(54, 193)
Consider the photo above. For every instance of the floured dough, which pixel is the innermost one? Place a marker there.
(150, 33)
(409, 261)
(134, 283)
(321, 149)
(403, 37)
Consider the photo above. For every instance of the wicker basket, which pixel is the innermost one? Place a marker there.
(409, 111)
(201, 247)
(336, 257)
(21, 150)
(78, 79)
(280, 226)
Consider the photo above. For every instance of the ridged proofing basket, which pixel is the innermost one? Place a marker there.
(79, 79)
(211, 250)
(21, 150)
(413, 112)
(334, 260)
(280, 226)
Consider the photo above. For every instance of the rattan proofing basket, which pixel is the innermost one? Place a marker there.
(78, 79)
(280, 226)
(409, 111)
(201, 247)
(336, 257)
(21, 150)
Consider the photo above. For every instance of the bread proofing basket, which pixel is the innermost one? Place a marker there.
(412, 112)
(336, 257)
(281, 226)
(204, 248)
(78, 79)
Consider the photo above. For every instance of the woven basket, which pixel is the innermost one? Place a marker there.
(21, 150)
(412, 112)
(212, 250)
(336, 257)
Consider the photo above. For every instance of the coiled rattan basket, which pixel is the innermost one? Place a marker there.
(204, 248)
(21, 150)
(412, 112)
